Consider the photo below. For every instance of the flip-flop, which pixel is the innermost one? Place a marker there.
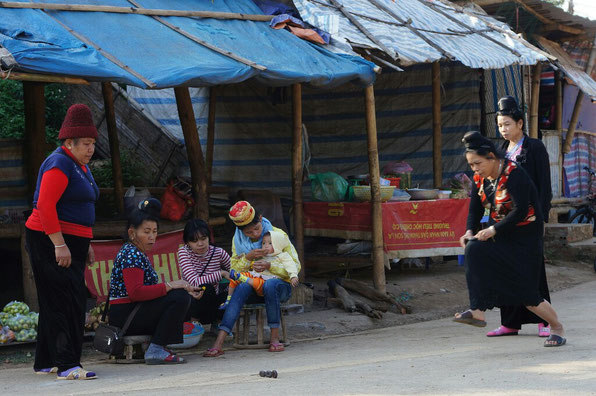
(46, 371)
(467, 317)
(502, 331)
(77, 374)
(276, 347)
(559, 341)
(213, 352)
(171, 359)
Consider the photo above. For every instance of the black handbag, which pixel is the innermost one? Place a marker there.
(110, 339)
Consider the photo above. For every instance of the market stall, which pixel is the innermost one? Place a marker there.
(410, 228)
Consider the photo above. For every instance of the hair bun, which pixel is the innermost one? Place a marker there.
(151, 206)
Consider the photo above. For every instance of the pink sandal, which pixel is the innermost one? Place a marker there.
(543, 331)
(502, 331)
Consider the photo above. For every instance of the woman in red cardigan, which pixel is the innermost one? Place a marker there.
(57, 239)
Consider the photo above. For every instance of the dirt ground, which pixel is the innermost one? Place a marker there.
(434, 293)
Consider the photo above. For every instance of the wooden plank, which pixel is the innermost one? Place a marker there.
(559, 125)
(573, 122)
(35, 130)
(112, 58)
(139, 11)
(552, 27)
(375, 187)
(194, 152)
(204, 43)
(42, 78)
(535, 100)
(211, 133)
(108, 100)
(437, 138)
(117, 228)
(297, 174)
(363, 29)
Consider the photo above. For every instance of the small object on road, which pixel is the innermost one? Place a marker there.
(268, 373)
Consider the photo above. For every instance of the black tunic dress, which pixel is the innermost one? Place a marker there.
(534, 159)
(505, 270)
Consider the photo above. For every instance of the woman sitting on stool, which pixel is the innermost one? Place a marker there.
(134, 281)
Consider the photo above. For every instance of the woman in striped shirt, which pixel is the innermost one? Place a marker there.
(204, 265)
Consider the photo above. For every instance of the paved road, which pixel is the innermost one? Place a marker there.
(430, 358)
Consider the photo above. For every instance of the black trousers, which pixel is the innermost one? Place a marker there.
(515, 316)
(162, 317)
(206, 309)
(62, 299)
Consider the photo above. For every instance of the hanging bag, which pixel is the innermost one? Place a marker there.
(110, 339)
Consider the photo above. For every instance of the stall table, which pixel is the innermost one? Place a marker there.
(410, 228)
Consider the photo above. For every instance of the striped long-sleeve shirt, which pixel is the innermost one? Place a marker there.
(192, 265)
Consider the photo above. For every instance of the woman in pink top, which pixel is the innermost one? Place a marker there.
(203, 264)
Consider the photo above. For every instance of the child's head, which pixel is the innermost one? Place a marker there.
(267, 244)
(196, 236)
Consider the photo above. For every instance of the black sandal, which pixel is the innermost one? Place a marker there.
(467, 317)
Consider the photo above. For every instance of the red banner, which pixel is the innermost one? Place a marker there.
(406, 225)
(424, 224)
(162, 256)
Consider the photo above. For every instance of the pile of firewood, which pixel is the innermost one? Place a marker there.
(370, 301)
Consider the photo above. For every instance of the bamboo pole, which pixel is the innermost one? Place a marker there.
(535, 100)
(33, 77)
(108, 101)
(573, 122)
(375, 191)
(297, 173)
(206, 44)
(194, 152)
(211, 134)
(35, 130)
(437, 138)
(138, 10)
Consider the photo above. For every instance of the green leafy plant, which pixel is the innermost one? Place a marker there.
(12, 110)
(132, 171)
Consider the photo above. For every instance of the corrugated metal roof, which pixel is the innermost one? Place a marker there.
(569, 67)
(421, 31)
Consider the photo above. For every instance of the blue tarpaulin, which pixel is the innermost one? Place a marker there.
(165, 57)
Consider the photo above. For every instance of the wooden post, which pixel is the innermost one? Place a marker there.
(437, 141)
(193, 151)
(526, 78)
(108, 103)
(375, 191)
(35, 130)
(297, 173)
(535, 99)
(210, 134)
(29, 288)
(559, 125)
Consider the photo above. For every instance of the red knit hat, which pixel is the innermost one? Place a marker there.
(78, 123)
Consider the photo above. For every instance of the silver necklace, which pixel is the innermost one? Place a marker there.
(493, 182)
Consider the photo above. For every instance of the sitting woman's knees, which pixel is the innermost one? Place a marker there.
(180, 296)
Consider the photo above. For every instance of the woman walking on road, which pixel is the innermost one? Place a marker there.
(503, 261)
(531, 154)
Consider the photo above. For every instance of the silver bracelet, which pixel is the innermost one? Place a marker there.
(168, 284)
(59, 246)
(493, 228)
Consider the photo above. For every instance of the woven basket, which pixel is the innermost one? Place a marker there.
(362, 193)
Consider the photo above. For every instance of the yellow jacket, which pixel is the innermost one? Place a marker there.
(284, 262)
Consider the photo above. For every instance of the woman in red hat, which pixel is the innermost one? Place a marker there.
(58, 235)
